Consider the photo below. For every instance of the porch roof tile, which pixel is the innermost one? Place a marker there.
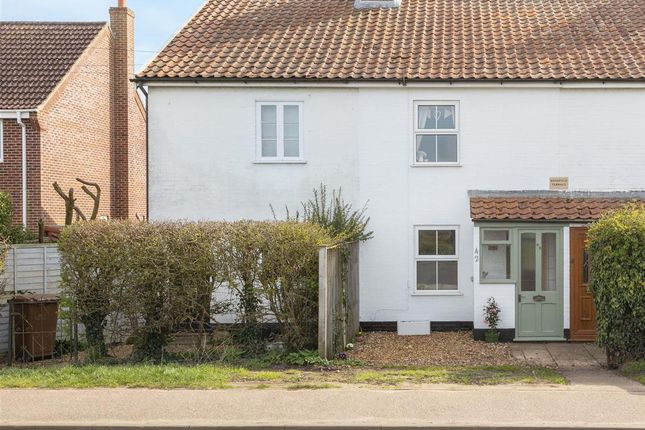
(545, 208)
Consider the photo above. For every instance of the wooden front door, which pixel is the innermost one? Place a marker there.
(583, 312)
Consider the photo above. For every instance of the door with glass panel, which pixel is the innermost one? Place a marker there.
(539, 308)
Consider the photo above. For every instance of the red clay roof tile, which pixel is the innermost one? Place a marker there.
(542, 208)
(421, 40)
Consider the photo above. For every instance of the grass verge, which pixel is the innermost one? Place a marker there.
(471, 375)
(133, 376)
(635, 370)
(221, 376)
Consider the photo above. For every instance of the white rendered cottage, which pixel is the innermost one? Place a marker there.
(484, 134)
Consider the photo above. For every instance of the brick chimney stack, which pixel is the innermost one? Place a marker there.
(122, 69)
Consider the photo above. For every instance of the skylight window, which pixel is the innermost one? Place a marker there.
(376, 4)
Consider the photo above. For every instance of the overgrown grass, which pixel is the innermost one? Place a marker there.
(635, 370)
(139, 376)
(479, 375)
(211, 376)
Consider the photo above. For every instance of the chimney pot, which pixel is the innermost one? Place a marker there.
(121, 3)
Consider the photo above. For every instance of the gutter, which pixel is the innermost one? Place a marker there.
(404, 81)
(23, 126)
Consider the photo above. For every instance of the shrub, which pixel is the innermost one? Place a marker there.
(289, 279)
(149, 280)
(616, 245)
(334, 215)
(94, 275)
(239, 248)
(274, 265)
(9, 232)
(491, 313)
(5, 210)
(172, 268)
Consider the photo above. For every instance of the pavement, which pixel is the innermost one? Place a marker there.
(560, 355)
(596, 398)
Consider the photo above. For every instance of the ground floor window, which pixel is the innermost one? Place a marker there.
(436, 258)
(496, 252)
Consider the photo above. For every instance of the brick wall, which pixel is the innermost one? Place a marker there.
(76, 134)
(92, 127)
(11, 168)
(137, 161)
(122, 24)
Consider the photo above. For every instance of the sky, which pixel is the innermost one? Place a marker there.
(155, 23)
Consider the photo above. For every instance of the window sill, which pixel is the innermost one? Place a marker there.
(280, 162)
(436, 165)
(437, 293)
(491, 281)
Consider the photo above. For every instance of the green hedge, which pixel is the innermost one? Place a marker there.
(616, 245)
(9, 232)
(147, 280)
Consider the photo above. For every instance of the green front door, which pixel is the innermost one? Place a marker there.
(539, 298)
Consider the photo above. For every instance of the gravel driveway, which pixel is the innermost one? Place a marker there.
(439, 348)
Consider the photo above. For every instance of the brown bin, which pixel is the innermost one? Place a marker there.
(34, 318)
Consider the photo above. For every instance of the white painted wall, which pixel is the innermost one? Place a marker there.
(202, 152)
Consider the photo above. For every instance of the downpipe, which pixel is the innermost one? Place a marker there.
(23, 126)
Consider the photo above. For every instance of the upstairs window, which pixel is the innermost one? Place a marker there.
(279, 131)
(436, 133)
(436, 259)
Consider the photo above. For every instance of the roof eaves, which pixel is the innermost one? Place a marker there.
(402, 81)
(97, 23)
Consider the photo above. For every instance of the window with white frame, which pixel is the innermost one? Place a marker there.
(436, 259)
(279, 131)
(1, 141)
(496, 255)
(436, 133)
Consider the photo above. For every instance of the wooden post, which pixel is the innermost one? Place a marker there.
(335, 334)
(322, 302)
(338, 300)
(353, 304)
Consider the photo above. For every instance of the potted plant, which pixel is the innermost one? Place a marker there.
(491, 316)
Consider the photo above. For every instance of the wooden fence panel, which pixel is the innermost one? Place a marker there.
(338, 318)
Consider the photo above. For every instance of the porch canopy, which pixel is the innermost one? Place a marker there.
(547, 206)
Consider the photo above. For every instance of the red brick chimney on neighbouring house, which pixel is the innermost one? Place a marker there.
(123, 92)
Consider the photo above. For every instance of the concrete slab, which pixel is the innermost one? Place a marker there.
(517, 351)
(560, 354)
(537, 354)
(572, 355)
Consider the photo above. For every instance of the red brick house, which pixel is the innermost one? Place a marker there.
(68, 110)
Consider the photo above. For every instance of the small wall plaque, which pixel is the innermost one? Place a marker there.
(559, 183)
